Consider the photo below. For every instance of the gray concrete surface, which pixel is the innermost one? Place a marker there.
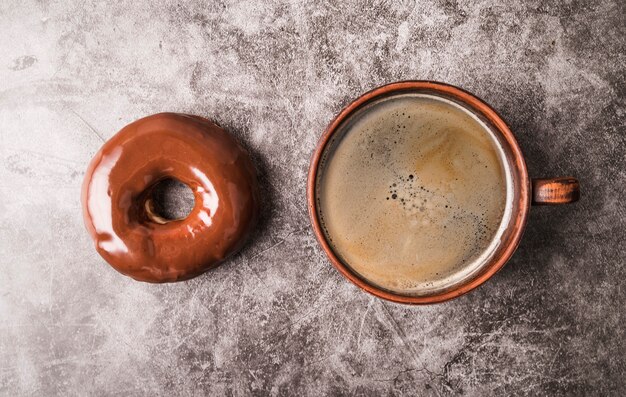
(277, 319)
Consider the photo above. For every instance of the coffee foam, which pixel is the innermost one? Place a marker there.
(413, 193)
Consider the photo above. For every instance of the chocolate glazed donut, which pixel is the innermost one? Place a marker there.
(119, 212)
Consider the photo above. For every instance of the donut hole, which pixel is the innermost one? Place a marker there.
(169, 200)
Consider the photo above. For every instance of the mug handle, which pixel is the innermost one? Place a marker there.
(553, 191)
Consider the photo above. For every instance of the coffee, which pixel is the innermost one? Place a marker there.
(413, 193)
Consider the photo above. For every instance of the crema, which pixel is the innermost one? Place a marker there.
(413, 193)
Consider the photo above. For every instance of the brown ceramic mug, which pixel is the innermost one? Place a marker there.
(525, 191)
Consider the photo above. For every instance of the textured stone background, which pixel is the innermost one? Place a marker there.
(277, 319)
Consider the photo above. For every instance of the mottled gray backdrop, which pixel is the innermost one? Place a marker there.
(277, 319)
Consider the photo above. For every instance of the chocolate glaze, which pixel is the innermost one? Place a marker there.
(117, 206)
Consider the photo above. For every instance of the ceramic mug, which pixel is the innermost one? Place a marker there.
(526, 191)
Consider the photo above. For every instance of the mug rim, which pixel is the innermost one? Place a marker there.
(521, 185)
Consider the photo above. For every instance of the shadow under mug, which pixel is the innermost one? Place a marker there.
(525, 191)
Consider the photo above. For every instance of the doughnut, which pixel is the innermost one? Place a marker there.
(120, 215)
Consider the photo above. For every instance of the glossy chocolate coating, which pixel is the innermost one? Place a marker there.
(117, 205)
